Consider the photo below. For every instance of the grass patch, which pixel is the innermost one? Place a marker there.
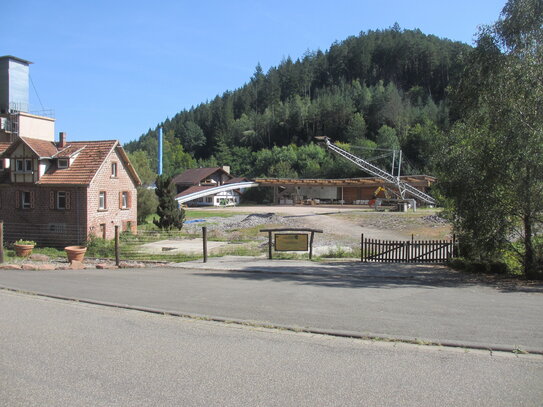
(212, 213)
(341, 253)
(239, 250)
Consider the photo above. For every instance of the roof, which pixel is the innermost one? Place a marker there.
(42, 148)
(69, 151)
(90, 158)
(197, 188)
(192, 190)
(415, 180)
(236, 180)
(4, 146)
(84, 167)
(193, 176)
(24, 61)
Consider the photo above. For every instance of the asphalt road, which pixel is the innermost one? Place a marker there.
(438, 310)
(71, 354)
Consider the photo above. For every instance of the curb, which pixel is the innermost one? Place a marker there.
(318, 331)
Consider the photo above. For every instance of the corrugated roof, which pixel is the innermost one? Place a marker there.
(193, 176)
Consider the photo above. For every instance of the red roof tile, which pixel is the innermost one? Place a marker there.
(42, 148)
(89, 157)
(4, 146)
(84, 167)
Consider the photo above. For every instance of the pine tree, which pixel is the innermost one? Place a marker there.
(170, 216)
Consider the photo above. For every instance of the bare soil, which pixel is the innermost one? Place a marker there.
(342, 225)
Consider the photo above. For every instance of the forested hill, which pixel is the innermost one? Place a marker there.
(381, 89)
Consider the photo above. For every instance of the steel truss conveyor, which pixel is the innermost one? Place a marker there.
(403, 187)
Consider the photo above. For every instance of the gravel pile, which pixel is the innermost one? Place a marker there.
(240, 222)
(435, 219)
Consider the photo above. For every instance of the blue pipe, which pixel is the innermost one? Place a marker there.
(160, 151)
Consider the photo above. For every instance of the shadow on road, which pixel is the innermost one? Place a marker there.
(376, 276)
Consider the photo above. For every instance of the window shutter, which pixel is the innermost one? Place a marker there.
(18, 199)
(32, 199)
(51, 200)
(120, 199)
(129, 199)
(68, 203)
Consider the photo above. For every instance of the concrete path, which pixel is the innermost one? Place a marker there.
(418, 303)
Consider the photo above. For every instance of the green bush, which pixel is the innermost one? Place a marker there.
(98, 247)
(479, 267)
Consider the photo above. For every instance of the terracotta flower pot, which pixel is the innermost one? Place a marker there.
(75, 253)
(23, 250)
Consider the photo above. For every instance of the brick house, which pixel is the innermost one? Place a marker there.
(58, 193)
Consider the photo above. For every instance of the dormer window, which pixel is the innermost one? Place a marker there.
(63, 163)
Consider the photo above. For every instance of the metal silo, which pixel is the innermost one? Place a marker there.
(13, 84)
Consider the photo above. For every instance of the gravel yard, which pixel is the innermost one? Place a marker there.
(342, 226)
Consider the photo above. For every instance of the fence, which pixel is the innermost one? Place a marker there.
(55, 235)
(413, 251)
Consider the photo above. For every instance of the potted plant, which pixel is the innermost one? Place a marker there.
(75, 253)
(23, 248)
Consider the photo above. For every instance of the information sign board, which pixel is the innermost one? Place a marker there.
(291, 242)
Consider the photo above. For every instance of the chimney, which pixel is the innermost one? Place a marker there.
(62, 139)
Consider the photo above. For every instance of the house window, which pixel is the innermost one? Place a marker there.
(57, 227)
(103, 230)
(23, 165)
(26, 200)
(63, 163)
(125, 200)
(61, 200)
(209, 199)
(102, 201)
(114, 170)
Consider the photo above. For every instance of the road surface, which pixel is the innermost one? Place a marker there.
(438, 307)
(59, 353)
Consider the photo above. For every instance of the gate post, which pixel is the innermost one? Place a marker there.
(117, 259)
(204, 242)
(362, 247)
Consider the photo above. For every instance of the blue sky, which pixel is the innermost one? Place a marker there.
(114, 69)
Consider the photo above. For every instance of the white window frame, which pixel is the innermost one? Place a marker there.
(102, 201)
(114, 169)
(63, 163)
